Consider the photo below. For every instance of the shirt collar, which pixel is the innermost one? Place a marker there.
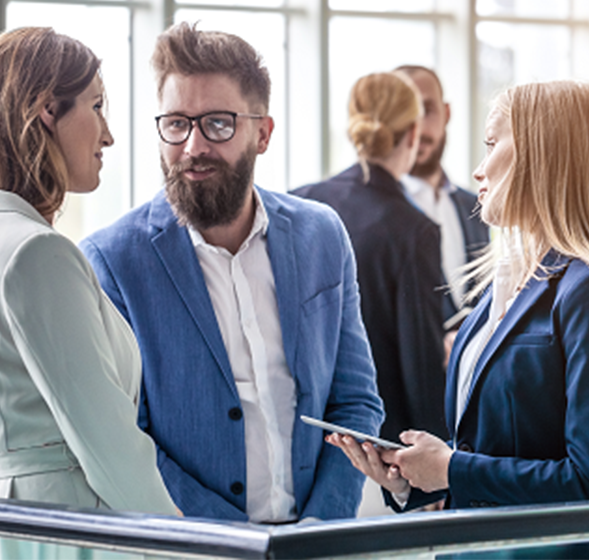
(260, 224)
(414, 185)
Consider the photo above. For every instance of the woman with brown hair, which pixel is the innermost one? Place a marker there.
(69, 364)
(397, 249)
(518, 379)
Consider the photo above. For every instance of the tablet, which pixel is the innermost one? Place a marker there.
(328, 426)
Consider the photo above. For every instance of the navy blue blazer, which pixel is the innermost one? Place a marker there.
(147, 264)
(523, 437)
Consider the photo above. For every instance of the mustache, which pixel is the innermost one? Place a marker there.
(181, 166)
(427, 140)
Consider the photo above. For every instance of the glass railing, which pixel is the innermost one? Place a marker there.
(40, 532)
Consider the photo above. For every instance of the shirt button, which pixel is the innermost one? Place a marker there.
(465, 447)
(235, 413)
(237, 488)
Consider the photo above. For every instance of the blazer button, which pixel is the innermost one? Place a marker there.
(237, 488)
(465, 447)
(235, 413)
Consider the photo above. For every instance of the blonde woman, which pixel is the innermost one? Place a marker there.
(517, 400)
(70, 368)
(397, 249)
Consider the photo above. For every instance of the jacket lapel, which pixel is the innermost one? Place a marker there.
(469, 328)
(174, 247)
(524, 301)
(281, 251)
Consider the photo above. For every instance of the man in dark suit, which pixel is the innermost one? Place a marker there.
(454, 209)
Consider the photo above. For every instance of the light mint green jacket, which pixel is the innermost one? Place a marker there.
(70, 376)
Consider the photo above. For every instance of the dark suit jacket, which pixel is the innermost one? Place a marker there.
(398, 252)
(523, 436)
(147, 265)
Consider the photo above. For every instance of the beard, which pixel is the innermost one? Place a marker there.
(428, 167)
(210, 202)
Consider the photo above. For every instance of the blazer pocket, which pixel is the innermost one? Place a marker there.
(532, 339)
(322, 299)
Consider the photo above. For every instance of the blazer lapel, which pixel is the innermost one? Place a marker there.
(174, 247)
(525, 300)
(281, 251)
(469, 328)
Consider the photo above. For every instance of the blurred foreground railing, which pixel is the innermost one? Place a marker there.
(31, 531)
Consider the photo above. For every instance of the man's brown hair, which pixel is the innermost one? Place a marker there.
(182, 49)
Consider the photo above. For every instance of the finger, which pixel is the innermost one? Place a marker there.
(409, 437)
(333, 439)
(388, 456)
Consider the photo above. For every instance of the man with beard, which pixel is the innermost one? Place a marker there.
(244, 303)
(454, 209)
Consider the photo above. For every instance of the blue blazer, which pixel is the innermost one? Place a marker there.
(523, 437)
(147, 264)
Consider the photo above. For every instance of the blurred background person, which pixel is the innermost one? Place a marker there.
(518, 378)
(70, 368)
(463, 234)
(397, 248)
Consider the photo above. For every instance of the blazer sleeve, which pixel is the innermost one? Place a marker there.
(477, 478)
(353, 401)
(52, 301)
(188, 493)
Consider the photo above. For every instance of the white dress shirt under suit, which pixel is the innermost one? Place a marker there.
(243, 295)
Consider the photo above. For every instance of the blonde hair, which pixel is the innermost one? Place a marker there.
(38, 66)
(546, 203)
(382, 108)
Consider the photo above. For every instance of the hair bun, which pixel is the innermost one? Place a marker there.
(370, 137)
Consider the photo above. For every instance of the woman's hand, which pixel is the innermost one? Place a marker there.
(424, 463)
(368, 461)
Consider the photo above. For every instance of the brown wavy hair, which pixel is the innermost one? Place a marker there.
(382, 108)
(183, 49)
(38, 66)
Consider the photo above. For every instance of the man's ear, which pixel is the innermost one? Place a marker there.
(413, 133)
(48, 115)
(264, 133)
(447, 111)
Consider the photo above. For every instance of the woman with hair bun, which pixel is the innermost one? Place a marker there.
(397, 250)
(517, 398)
(70, 369)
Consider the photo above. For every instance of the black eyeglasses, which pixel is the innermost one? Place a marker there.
(216, 126)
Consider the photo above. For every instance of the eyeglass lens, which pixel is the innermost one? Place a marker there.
(216, 127)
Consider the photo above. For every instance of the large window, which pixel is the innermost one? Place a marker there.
(315, 50)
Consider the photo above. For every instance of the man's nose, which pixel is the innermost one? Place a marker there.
(196, 144)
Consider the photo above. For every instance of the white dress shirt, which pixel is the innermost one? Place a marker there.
(437, 205)
(503, 297)
(243, 295)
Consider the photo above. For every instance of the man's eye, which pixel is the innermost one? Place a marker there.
(178, 124)
(218, 123)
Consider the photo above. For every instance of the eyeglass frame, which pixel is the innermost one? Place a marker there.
(198, 118)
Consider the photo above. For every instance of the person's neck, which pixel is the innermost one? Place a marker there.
(231, 236)
(394, 164)
(435, 179)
